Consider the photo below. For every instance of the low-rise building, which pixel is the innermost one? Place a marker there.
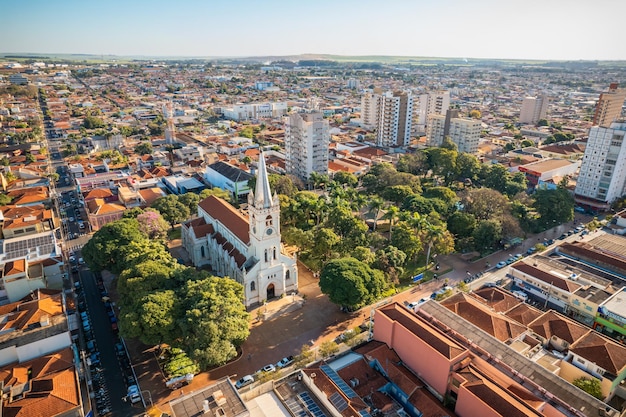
(229, 178)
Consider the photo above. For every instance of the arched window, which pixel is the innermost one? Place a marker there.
(265, 255)
(202, 251)
(287, 275)
(274, 252)
(252, 286)
(268, 221)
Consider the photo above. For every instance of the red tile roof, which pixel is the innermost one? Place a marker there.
(226, 214)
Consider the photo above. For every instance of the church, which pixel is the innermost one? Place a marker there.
(248, 250)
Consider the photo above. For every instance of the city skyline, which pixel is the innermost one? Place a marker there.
(484, 29)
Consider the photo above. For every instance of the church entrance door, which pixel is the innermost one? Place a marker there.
(270, 292)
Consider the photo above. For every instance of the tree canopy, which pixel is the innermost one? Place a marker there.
(172, 209)
(351, 283)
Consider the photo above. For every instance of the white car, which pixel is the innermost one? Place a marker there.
(246, 380)
(267, 368)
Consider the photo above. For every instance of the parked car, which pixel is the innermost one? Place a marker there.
(286, 361)
(501, 265)
(267, 368)
(133, 394)
(246, 380)
(563, 236)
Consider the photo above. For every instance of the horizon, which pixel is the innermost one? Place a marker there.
(559, 30)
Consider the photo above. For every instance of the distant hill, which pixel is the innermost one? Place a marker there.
(343, 59)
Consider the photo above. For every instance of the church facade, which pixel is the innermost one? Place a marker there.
(248, 250)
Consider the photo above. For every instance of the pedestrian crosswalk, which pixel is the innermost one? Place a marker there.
(76, 246)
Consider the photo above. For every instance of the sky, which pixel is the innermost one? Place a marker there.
(503, 29)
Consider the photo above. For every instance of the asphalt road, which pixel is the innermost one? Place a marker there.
(105, 341)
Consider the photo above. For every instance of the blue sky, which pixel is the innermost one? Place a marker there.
(521, 29)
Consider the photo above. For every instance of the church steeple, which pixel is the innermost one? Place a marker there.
(262, 193)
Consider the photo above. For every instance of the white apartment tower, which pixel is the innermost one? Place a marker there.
(602, 177)
(534, 109)
(434, 102)
(609, 106)
(370, 105)
(307, 138)
(395, 119)
(465, 133)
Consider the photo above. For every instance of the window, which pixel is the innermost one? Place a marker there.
(265, 255)
(287, 274)
(274, 253)
(252, 286)
(268, 221)
(202, 251)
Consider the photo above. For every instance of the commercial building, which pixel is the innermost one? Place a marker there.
(465, 133)
(307, 139)
(255, 111)
(548, 171)
(609, 106)
(602, 177)
(533, 109)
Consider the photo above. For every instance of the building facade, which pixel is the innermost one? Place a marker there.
(609, 106)
(432, 103)
(465, 133)
(602, 177)
(395, 119)
(307, 138)
(248, 250)
(370, 104)
(533, 109)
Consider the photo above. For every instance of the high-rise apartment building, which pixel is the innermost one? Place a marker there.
(434, 102)
(465, 133)
(370, 106)
(307, 137)
(602, 177)
(395, 119)
(534, 109)
(609, 106)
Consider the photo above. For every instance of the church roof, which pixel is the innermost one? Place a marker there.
(226, 214)
(262, 192)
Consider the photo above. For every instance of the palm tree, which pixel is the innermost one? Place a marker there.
(431, 233)
(392, 216)
(375, 205)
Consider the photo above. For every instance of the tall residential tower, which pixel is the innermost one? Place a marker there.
(534, 109)
(609, 106)
(307, 137)
(602, 177)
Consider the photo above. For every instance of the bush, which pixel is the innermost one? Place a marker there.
(178, 363)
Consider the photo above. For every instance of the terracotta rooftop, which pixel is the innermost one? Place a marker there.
(15, 267)
(445, 346)
(605, 353)
(523, 313)
(226, 214)
(150, 195)
(495, 298)
(482, 317)
(98, 193)
(52, 389)
(552, 324)
(551, 279)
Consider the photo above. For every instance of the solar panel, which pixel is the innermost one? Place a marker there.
(338, 402)
(295, 407)
(349, 392)
(364, 413)
(311, 405)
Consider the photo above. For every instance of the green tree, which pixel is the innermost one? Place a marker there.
(106, 249)
(214, 322)
(415, 164)
(328, 348)
(346, 178)
(282, 184)
(484, 203)
(442, 162)
(305, 356)
(461, 224)
(150, 317)
(376, 204)
(554, 206)
(92, 122)
(468, 166)
(5, 199)
(132, 213)
(217, 192)
(190, 200)
(475, 114)
(351, 283)
(144, 148)
(171, 209)
(487, 235)
(405, 239)
(590, 385)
